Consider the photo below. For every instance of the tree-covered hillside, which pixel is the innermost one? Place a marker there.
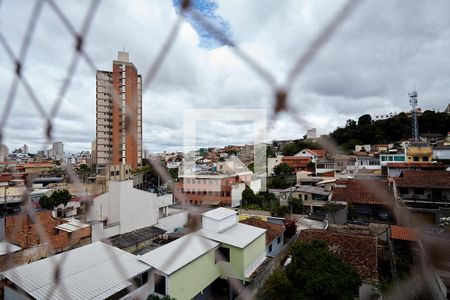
(366, 131)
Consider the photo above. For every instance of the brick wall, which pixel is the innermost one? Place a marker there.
(20, 230)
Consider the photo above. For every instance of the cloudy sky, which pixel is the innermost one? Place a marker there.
(383, 51)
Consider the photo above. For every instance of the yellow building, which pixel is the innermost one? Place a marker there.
(419, 152)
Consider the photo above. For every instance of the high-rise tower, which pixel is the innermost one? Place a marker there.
(119, 115)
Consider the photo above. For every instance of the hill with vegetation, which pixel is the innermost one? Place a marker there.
(398, 128)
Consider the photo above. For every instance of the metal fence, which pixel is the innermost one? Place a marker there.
(280, 91)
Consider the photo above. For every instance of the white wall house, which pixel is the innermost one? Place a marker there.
(272, 162)
(123, 209)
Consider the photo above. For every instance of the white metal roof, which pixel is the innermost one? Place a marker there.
(219, 213)
(72, 226)
(239, 235)
(6, 247)
(95, 271)
(175, 255)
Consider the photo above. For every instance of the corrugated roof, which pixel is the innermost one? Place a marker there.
(89, 272)
(403, 233)
(219, 213)
(175, 255)
(273, 230)
(6, 247)
(240, 235)
(72, 226)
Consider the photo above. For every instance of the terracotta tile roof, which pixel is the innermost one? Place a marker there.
(358, 250)
(424, 179)
(362, 191)
(318, 152)
(296, 161)
(419, 165)
(273, 230)
(403, 233)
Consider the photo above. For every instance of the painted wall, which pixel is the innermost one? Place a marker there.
(254, 255)
(171, 222)
(183, 285)
(276, 247)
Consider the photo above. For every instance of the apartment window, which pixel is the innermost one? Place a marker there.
(222, 254)
(112, 173)
(278, 239)
(404, 191)
(419, 191)
(415, 158)
(425, 158)
(270, 248)
(160, 284)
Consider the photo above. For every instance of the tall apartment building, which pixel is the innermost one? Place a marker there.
(119, 115)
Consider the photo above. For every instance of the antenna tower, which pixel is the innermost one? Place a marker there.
(414, 124)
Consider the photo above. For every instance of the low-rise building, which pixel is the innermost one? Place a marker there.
(368, 200)
(124, 208)
(95, 271)
(222, 249)
(272, 162)
(314, 198)
(313, 155)
(299, 163)
(422, 193)
(274, 234)
(419, 152)
(216, 188)
(395, 169)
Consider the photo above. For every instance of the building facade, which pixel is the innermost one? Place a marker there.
(119, 115)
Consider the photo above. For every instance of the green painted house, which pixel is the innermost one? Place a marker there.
(223, 248)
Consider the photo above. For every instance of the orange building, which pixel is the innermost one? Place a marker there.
(119, 115)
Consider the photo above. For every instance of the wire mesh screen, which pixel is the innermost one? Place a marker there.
(15, 53)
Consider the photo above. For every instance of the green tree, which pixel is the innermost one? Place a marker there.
(55, 199)
(296, 204)
(283, 169)
(290, 149)
(277, 182)
(277, 286)
(333, 207)
(319, 274)
(249, 198)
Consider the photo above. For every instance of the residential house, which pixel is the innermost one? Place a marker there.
(367, 199)
(442, 154)
(392, 156)
(271, 163)
(299, 163)
(124, 208)
(422, 193)
(395, 169)
(222, 249)
(274, 234)
(95, 271)
(367, 163)
(36, 168)
(358, 250)
(363, 148)
(419, 152)
(345, 164)
(325, 167)
(314, 155)
(314, 198)
(222, 188)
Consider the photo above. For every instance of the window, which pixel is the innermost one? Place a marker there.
(222, 254)
(270, 248)
(404, 191)
(424, 158)
(419, 191)
(112, 173)
(415, 158)
(278, 239)
(160, 284)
